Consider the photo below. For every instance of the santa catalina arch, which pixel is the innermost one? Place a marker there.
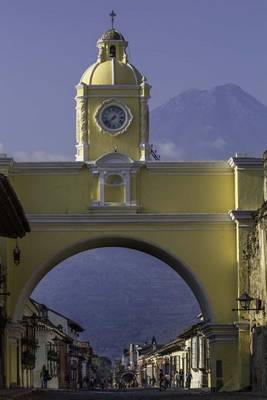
(192, 215)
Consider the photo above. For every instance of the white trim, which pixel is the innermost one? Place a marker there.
(41, 168)
(220, 332)
(111, 87)
(96, 228)
(136, 96)
(162, 168)
(113, 208)
(116, 158)
(113, 70)
(189, 167)
(254, 163)
(134, 73)
(92, 73)
(101, 188)
(244, 218)
(111, 218)
(6, 162)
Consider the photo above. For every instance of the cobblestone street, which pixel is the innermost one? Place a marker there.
(139, 395)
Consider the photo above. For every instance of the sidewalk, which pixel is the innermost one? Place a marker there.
(23, 394)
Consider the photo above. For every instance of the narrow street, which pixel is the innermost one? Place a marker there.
(141, 394)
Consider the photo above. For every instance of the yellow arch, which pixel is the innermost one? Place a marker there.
(116, 241)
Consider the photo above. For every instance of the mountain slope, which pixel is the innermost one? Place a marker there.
(120, 296)
(210, 124)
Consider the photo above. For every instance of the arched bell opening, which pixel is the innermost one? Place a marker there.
(112, 51)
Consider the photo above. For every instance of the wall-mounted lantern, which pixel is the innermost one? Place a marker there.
(245, 301)
(16, 254)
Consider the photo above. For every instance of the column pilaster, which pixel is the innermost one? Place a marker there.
(14, 332)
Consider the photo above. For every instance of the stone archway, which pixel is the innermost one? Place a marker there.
(116, 241)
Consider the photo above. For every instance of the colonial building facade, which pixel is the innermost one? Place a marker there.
(50, 340)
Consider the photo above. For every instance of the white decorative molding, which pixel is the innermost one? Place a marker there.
(144, 120)
(251, 163)
(111, 87)
(74, 167)
(114, 158)
(107, 217)
(103, 106)
(243, 326)
(47, 168)
(113, 208)
(82, 138)
(145, 150)
(114, 164)
(222, 333)
(6, 163)
(244, 218)
(15, 330)
(115, 96)
(189, 167)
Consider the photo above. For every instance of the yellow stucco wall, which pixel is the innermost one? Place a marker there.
(158, 191)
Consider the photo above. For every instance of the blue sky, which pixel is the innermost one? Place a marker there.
(178, 44)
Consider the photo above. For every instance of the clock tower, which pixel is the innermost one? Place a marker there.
(112, 112)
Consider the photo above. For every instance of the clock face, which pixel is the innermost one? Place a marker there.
(113, 117)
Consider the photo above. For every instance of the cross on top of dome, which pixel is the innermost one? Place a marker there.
(112, 15)
(112, 34)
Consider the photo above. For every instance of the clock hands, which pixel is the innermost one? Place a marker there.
(113, 117)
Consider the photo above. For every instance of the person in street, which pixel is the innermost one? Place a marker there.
(161, 380)
(91, 383)
(181, 378)
(86, 381)
(167, 381)
(188, 379)
(176, 379)
(102, 384)
(44, 377)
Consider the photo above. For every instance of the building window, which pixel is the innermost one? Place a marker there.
(114, 189)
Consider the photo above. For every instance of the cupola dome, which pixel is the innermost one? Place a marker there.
(111, 72)
(112, 34)
(112, 66)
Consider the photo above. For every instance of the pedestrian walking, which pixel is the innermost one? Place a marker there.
(91, 383)
(102, 384)
(167, 380)
(44, 375)
(188, 379)
(161, 380)
(176, 379)
(181, 378)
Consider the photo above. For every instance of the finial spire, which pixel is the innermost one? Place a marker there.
(112, 15)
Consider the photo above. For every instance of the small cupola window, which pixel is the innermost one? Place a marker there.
(112, 51)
